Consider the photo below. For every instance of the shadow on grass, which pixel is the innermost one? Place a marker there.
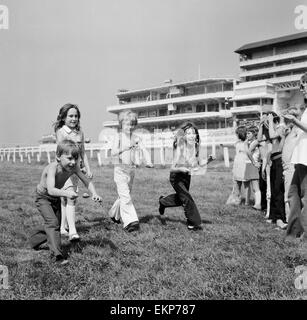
(80, 245)
(293, 261)
(164, 219)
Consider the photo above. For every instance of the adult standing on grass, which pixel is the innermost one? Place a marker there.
(125, 144)
(48, 193)
(186, 158)
(298, 189)
(290, 134)
(67, 126)
(277, 203)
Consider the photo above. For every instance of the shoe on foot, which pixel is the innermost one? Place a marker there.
(133, 226)
(258, 208)
(161, 207)
(60, 260)
(115, 220)
(74, 237)
(269, 221)
(85, 195)
(281, 224)
(41, 246)
(195, 228)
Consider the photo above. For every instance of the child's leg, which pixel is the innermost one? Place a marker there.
(181, 186)
(268, 190)
(246, 185)
(70, 209)
(64, 224)
(124, 179)
(295, 227)
(114, 212)
(256, 189)
(51, 212)
(237, 188)
(71, 218)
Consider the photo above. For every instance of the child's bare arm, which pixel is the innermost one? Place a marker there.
(297, 122)
(249, 154)
(89, 184)
(272, 132)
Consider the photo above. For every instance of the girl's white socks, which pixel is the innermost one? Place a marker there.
(64, 225)
(70, 215)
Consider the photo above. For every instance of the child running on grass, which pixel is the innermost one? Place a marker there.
(67, 126)
(48, 193)
(125, 145)
(186, 158)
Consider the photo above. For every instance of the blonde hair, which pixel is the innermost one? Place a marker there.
(132, 116)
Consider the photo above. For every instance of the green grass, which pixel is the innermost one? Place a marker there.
(237, 256)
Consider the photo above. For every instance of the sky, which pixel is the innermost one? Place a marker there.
(83, 51)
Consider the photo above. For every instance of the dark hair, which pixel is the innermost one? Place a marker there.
(181, 133)
(241, 133)
(63, 114)
(253, 130)
(68, 147)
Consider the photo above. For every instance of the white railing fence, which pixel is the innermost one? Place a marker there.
(158, 146)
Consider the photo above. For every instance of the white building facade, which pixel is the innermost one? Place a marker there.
(269, 77)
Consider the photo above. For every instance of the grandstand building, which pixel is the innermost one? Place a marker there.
(269, 76)
(206, 102)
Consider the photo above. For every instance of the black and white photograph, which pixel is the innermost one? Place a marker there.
(153, 151)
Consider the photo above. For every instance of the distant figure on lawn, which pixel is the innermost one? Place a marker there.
(186, 160)
(67, 126)
(125, 145)
(48, 193)
(244, 168)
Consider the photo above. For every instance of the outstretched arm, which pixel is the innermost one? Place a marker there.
(298, 123)
(89, 184)
(272, 132)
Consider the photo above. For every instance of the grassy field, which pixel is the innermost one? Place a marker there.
(237, 256)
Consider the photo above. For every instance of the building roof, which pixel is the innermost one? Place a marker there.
(173, 84)
(269, 42)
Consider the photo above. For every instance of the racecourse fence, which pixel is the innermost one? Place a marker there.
(158, 149)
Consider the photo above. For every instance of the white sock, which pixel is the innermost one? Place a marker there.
(63, 218)
(70, 214)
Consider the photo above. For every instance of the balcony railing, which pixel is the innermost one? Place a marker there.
(175, 100)
(272, 58)
(261, 71)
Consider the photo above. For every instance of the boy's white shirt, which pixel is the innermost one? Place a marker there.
(299, 155)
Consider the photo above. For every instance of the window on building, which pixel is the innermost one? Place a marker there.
(196, 89)
(201, 107)
(162, 112)
(213, 107)
(228, 86)
(142, 114)
(152, 113)
(212, 125)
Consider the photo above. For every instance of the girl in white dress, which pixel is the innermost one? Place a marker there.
(67, 126)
